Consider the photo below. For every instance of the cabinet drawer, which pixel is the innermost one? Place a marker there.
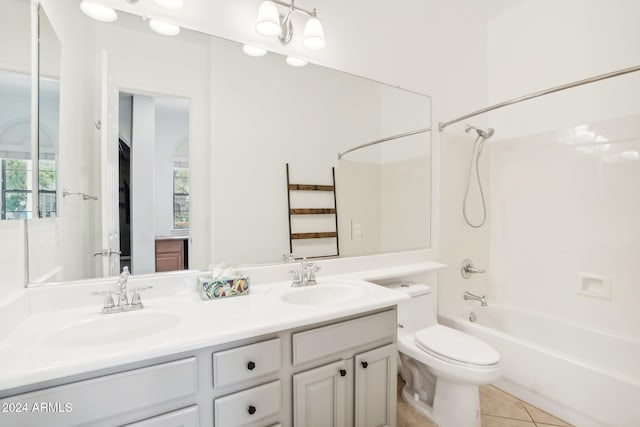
(110, 395)
(169, 246)
(186, 417)
(316, 343)
(246, 362)
(248, 406)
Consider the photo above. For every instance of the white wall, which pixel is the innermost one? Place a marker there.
(458, 240)
(143, 251)
(564, 168)
(405, 204)
(358, 199)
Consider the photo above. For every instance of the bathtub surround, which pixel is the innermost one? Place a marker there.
(577, 367)
(556, 208)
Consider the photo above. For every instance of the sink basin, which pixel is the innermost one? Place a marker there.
(112, 329)
(324, 294)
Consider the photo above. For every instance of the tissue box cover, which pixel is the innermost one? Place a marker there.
(222, 287)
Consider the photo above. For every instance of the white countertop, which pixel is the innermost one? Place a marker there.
(29, 355)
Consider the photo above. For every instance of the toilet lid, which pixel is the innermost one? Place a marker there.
(456, 345)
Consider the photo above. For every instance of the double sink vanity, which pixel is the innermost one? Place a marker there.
(314, 355)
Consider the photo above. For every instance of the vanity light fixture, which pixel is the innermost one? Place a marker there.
(296, 62)
(170, 4)
(253, 50)
(98, 12)
(164, 28)
(271, 23)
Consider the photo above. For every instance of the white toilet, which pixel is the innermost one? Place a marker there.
(442, 367)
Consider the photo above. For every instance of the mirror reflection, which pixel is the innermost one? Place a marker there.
(216, 185)
(16, 179)
(153, 128)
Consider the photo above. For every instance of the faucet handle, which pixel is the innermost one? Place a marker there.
(312, 267)
(108, 299)
(296, 277)
(135, 298)
(467, 269)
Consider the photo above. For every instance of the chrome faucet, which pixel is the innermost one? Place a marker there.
(306, 275)
(469, 296)
(123, 300)
(467, 269)
(109, 306)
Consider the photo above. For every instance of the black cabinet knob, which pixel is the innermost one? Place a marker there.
(251, 366)
(252, 410)
(364, 364)
(343, 372)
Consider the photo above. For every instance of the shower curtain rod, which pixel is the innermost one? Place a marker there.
(443, 125)
(593, 79)
(389, 138)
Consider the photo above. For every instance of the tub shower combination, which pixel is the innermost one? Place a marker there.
(588, 377)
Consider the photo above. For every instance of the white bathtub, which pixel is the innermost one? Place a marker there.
(588, 377)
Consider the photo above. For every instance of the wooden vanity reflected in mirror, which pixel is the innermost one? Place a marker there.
(172, 254)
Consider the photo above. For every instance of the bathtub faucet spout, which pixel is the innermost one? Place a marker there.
(469, 296)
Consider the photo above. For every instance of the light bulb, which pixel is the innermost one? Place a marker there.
(295, 62)
(313, 34)
(164, 28)
(253, 51)
(98, 12)
(268, 23)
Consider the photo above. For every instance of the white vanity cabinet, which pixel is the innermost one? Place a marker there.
(357, 390)
(336, 373)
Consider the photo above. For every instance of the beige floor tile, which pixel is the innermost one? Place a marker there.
(540, 416)
(498, 408)
(490, 421)
(496, 402)
(409, 417)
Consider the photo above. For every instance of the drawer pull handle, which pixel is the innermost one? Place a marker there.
(252, 410)
(364, 365)
(343, 372)
(251, 366)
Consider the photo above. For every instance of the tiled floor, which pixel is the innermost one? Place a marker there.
(498, 409)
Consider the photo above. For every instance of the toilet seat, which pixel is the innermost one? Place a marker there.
(456, 347)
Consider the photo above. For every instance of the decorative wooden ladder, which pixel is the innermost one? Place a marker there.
(313, 211)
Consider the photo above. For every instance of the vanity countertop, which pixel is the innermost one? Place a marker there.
(40, 349)
(43, 347)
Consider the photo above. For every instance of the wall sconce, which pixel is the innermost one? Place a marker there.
(271, 23)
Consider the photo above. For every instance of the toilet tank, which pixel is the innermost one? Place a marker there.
(421, 310)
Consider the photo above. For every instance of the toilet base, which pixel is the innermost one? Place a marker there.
(454, 405)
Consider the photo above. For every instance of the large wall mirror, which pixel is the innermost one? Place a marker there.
(178, 152)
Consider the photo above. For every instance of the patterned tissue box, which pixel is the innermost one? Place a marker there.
(223, 287)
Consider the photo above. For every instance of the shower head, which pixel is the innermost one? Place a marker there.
(484, 134)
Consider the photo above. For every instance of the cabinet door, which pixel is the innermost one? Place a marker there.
(322, 396)
(375, 392)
